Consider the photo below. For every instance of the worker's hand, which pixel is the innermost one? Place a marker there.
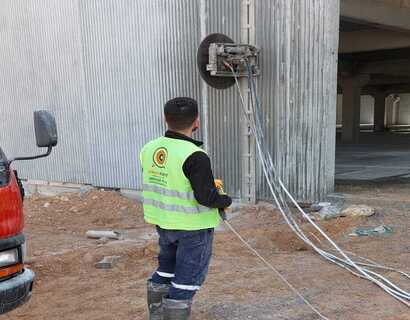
(220, 186)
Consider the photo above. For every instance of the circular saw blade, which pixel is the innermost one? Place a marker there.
(203, 60)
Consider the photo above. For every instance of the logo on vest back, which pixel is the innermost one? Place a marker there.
(160, 157)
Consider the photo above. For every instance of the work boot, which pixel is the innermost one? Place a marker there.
(176, 309)
(155, 293)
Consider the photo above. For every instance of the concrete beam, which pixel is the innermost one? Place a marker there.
(391, 110)
(387, 88)
(371, 40)
(350, 63)
(375, 13)
(392, 68)
(377, 80)
(390, 54)
(380, 80)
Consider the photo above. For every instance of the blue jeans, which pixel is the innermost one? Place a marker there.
(183, 261)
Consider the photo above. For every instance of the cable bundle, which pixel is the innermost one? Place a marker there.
(365, 268)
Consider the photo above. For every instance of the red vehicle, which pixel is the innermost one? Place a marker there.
(16, 281)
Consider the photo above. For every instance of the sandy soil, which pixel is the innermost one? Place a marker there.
(238, 287)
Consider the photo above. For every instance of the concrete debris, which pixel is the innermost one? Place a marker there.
(358, 210)
(73, 209)
(315, 207)
(372, 231)
(46, 205)
(107, 262)
(94, 234)
(329, 212)
(326, 211)
(103, 240)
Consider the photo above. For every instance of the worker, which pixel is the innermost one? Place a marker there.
(182, 201)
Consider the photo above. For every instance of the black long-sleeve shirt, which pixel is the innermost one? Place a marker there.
(197, 169)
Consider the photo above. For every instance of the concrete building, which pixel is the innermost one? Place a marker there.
(373, 82)
(105, 69)
(373, 59)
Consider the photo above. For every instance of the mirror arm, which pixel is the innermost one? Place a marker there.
(33, 157)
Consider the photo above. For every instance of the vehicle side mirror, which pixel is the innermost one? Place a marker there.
(46, 129)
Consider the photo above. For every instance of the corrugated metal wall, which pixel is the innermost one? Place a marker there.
(106, 67)
(299, 41)
(137, 55)
(41, 65)
(224, 107)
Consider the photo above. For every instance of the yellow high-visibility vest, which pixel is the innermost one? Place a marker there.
(169, 200)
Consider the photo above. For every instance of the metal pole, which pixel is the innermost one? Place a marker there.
(203, 16)
(248, 34)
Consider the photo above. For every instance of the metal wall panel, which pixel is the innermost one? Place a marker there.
(224, 108)
(106, 67)
(41, 67)
(137, 55)
(299, 41)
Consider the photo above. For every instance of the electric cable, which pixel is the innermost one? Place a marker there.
(276, 188)
(255, 252)
(270, 266)
(397, 293)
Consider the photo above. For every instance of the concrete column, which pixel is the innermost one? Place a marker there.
(352, 88)
(396, 109)
(379, 111)
(389, 111)
(392, 103)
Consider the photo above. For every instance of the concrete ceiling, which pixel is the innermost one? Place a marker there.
(375, 43)
(368, 25)
(350, 26)
(397, 3)
(366, 38)
(387, 14)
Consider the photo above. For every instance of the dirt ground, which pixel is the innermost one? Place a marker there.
(68, 286)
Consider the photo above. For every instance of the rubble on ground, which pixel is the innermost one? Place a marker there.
(327, 211)
(107, 262)
(98, 234)
(372, 231)
(358, 211)
(68, 279)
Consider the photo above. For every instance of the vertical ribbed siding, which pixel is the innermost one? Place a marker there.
(224, 106)
(105, 68)
(41, 67)
(332, 9)
(138, 54)
(298, 90)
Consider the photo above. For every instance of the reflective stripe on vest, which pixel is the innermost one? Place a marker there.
(176, 208)
(168, 193)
